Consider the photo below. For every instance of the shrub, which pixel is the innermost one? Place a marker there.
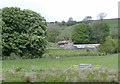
(108, 46)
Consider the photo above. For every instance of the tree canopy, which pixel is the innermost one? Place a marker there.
(99, 31)
(80, 34)
(94, 32)
(23, 32)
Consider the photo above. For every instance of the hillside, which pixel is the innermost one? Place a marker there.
(65, 31)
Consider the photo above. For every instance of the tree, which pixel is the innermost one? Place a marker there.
(23, 32)
(101, 15)
(65, 34)
(70, 19)
(63, 22)
(108, 46)
(53, 32)
(70, 23)
(80, 34)
(99, 31)
(87, 18)
(1, 32)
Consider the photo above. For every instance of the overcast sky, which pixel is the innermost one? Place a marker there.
(58, 10)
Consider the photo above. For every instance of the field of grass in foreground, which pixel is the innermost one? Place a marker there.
(109, 62)
(47, 70)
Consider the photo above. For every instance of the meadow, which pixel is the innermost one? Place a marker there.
(41, 70)
(69, 53)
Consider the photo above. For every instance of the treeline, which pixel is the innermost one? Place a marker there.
(94, 32)
(97, 32)
(63, 23)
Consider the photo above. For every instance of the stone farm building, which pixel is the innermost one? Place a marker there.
(69, 45)
(65, 44)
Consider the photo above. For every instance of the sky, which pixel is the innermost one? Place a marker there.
(59, 10)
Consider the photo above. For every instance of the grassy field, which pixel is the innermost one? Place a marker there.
(68, 52)
(112, 23)
(109, 62)
(43, 69)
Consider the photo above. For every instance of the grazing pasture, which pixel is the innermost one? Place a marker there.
(69, 52)
(43, 69)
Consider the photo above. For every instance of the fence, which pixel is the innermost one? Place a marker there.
(85, 66)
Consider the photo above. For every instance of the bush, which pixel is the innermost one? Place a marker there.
(108, 46)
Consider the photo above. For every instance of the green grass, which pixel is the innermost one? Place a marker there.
(109, 62)
(51, 70)
(59, 76)
(51, 45)
(112, 23)
(67, 52)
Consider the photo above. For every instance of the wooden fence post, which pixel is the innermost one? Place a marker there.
(92, 68)
(79, 66)
(100, 68)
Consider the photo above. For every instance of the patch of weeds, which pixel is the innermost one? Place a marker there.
(19, 69)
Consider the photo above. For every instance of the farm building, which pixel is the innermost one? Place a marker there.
(86, 46)
(65, 44)
(69, 45)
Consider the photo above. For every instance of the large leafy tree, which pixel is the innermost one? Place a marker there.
(81, 34)
(23, 33)
(99, 31)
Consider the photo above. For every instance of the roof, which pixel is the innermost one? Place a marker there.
(63, 42)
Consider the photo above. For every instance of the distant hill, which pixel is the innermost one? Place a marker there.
(67, 30)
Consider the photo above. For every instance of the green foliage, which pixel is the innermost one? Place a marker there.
(99, 31)
(70, 23)
(108, 46)
(114, 33)
(63, 22)
(0, 32)
(81, 34)
(23, 32)
(116, 45)
(65, 34)
(53, 32)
